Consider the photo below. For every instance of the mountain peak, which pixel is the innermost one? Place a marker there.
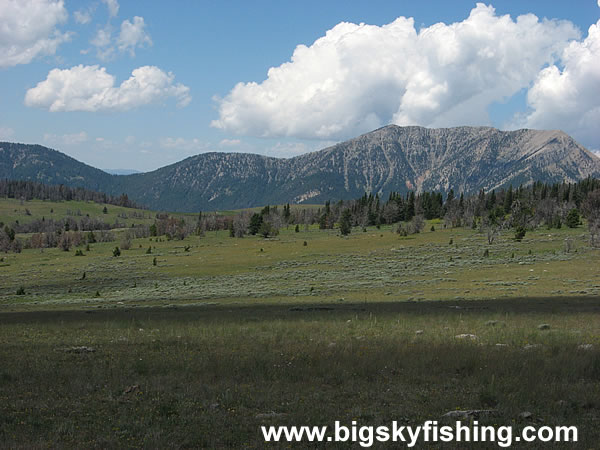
(391, 158)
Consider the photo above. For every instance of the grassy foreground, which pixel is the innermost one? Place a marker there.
(202, 348)
(209, 377)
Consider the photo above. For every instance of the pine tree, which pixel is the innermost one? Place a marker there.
(323, 222)
(410, 206)
(255, 222)
(508, 200)
(573, 218)
(346, 222)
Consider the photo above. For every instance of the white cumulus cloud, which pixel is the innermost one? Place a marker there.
(91, 88)
(569, 98)
(28, 29)
(82, 17)
(133, 35)
(102, 37)
(113, 7)
(359, 77)
(102, 40)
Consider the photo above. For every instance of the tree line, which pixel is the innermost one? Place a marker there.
(522, 208)
(30, 190)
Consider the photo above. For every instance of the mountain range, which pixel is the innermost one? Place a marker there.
(391, 158)
(121, 171)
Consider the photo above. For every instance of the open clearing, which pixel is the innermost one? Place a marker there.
(202, 348)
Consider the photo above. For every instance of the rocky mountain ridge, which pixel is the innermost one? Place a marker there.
(391, 158)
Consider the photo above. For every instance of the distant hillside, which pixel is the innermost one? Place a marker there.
(37, 163)
(121, 171)
(392, 158)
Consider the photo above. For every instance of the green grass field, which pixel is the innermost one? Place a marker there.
(12, 210)
(202, 348)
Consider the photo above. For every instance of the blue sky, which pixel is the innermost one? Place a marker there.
(138, 85)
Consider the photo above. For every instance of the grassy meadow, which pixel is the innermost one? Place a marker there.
(196, 343)
(12, 210)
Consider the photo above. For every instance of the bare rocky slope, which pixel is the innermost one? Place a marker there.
(391, 158)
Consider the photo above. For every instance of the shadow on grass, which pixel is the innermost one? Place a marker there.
(210, 374)
(295, 311)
